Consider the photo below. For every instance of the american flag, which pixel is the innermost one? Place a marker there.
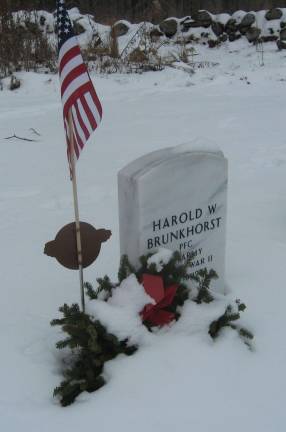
(79, 97)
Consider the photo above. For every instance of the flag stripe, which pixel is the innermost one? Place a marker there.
(78, 127)
(84, 117)
(78, 139)
(67, 46)
(69, 66)
(74, 87)
(77, 91)
(89, 114)
(81, 122)
(73, 52)
(77, 72)
(96, 101)
(75, 96)
(92, 108)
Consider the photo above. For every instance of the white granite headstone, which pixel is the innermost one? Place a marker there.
(176, 199)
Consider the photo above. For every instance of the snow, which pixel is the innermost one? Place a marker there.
(239, 15)
(121, 314)
(223, 18)
(161, 258)
(180, 379)
(198, 144)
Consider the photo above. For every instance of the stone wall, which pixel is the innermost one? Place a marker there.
(152, 10)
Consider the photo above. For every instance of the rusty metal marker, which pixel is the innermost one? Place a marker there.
(64, 247)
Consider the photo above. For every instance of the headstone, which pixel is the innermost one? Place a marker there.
(176, 199)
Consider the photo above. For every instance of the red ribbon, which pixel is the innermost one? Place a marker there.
(163, 297)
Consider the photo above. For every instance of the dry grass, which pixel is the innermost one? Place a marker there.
(23, 46)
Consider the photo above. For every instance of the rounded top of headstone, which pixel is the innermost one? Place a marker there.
(199, 146)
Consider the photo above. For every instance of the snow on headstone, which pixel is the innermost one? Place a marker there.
(176, 199)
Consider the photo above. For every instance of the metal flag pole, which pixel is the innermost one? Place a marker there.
(76, 210)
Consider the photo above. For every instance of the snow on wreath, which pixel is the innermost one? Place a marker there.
(123, 317)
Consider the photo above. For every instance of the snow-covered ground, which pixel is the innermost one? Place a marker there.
(180, 380)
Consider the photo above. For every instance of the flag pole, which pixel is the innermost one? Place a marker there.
(76, 209)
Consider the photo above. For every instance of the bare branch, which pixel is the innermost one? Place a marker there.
(34, 131)
(20, 138)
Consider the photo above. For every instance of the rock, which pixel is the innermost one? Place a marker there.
(217, 28)
(32, 27)
(51, 29)
(234, 36)
(204, 35)
(203, 18)
(281, 44)
(189, 24)
(15, 83)
(231, 26)
(78, 28)
(246, 22)
(213, 43)
(120, 28)
(169, 27)
(192, 38)
(282, 24)
(185, 19)
(200, 19)
(42, 20)
(155, 34)
(223, 37)
(253, 34)
(273, 14)
(283, 34)
(271, 38)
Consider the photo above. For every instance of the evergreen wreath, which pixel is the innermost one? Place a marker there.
(89, 343)
(90, 347)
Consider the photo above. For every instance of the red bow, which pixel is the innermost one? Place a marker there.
(155, 313)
